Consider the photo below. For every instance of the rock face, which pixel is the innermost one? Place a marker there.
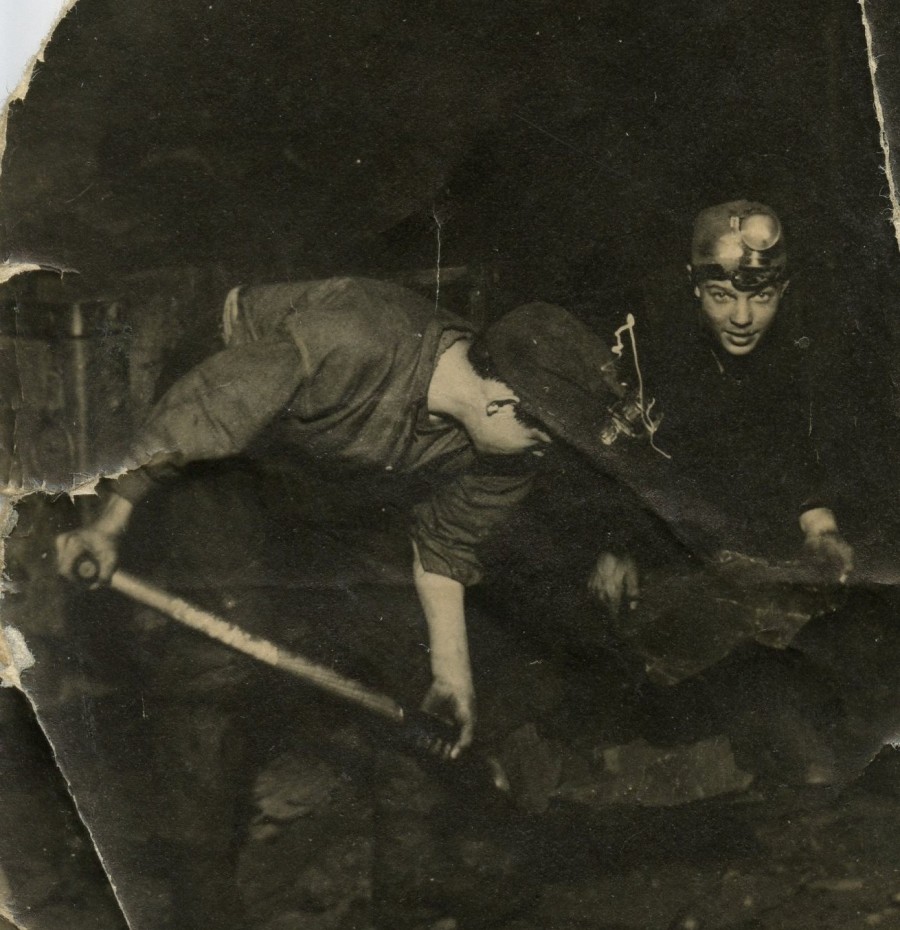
(330, 850)
(687, 622)
(654, 776)
(315, 821)
(540, 770)
(327, 853)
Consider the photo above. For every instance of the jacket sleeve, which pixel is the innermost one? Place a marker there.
(460, 516)
(213, 412)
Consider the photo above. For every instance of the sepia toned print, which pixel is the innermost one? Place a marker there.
(449, 463)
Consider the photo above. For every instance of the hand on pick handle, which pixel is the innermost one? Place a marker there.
(427, 734)
(87, 555)
(431, 739)
(454, 702)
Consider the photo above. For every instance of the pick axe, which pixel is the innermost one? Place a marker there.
(413, 730)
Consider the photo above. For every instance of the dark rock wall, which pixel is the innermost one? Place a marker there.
(575, 141)
(168, 149)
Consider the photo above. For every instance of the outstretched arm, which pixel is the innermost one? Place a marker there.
(213, 412)
(452, 693)
(447, 530)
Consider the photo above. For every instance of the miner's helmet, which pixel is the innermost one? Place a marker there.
(741, 242)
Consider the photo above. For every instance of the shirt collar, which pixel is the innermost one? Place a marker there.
(438, 336)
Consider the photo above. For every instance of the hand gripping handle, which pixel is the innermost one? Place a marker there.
(422, 734)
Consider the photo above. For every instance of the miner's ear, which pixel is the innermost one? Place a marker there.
(690, 271)
(499, 406)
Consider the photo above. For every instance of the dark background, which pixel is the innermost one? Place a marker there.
(570, 143)
(177, 148)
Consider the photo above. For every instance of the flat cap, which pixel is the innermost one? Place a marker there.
(567, 377)
(564, 374)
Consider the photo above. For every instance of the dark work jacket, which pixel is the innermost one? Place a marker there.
(741, 433)
(741, 436)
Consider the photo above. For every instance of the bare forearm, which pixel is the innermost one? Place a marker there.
(114, 516)
(443, 603)
(452, 694)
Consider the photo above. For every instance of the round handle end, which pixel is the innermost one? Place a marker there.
(86, 568)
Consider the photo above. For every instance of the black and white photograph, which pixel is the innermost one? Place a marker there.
(449, 467)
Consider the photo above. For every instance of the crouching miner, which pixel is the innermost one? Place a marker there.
(745, 415)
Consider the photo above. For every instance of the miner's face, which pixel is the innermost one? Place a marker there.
(738, 319)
